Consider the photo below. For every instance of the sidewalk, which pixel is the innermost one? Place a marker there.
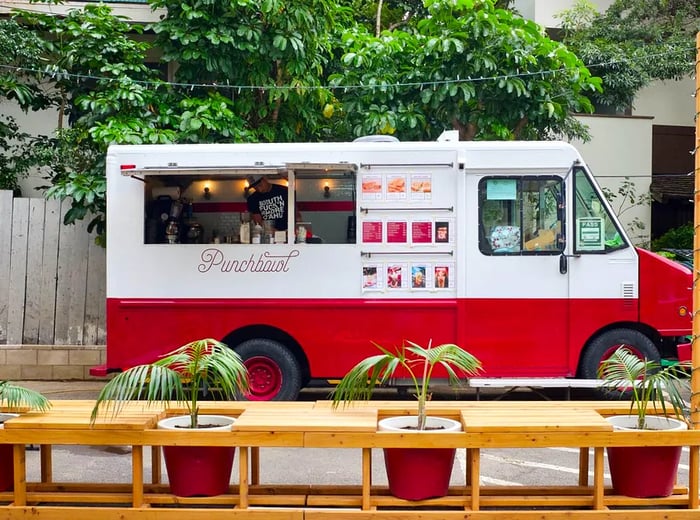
(65, 389)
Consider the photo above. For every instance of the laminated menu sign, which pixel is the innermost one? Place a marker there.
(371, 187)
(418, 276)
(421, 186)
(441, 276)
(422, 232)
(396, 232)
(372, 231)
(371, 278)
(442, 231)
(397, 276)
(396, 187)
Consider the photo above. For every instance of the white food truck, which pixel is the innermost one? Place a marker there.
(508, 249)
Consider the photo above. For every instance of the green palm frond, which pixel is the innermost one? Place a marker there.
(179, 375)
(647, 381)
(14, 396)
(416, 360)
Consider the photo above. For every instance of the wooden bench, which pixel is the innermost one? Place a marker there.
(487, 424)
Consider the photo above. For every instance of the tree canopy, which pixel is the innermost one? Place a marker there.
(633, 43)
(287, 70)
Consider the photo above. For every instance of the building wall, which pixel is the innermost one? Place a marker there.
(545, 12)
(615, 153)
(669, 102)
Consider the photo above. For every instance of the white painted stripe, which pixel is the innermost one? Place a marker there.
(497, 482)
(461, 457)
(538, 465)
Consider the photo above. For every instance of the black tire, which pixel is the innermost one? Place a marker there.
(604, 345)
(274, 371)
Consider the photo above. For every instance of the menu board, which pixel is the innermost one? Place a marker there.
(397, 276)
(422, 232)
(372, 187)
(391, 231)
(397, 232)
(421, 186)
(403, 276)
(397, 186)
(372, 231)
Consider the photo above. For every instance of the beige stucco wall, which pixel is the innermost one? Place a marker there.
(544, 11)
(135, 12)
(670, 102)
(621, 147)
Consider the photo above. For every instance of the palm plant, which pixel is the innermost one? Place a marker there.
(179, 376)
(646, 382)
(14, 397)
(419, 362)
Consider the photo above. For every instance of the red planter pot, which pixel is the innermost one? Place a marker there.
(198, 470)
(644, 471)
(418, 473)
(7, 478)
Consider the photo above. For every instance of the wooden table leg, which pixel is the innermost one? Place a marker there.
(366, 478)
(467, 473)
(243, 487)
(693, 485)
(473, 462)
(255, 466)
(20, 474)
(45, 456)
(598, 478)
(583, 466)
(156, 475)
(137, 476)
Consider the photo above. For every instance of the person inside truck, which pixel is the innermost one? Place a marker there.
(268, 202)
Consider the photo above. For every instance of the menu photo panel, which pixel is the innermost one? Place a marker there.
(372, 231)
(443, 276)
(397, 276)
(372, 187)
(372, 277)
(419, 274)
(422, 232)
(421, 186)
(397, 231)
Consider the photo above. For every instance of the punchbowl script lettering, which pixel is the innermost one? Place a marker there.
(214, 259)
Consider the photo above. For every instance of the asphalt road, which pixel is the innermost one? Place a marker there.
(323, 466)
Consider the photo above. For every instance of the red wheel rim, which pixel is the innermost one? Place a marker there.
(611, 351)
(265, 378)
(608, 353)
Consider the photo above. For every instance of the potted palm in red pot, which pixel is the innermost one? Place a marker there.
(13, 398)
(645, 471)
(412, 473)
(180, 375)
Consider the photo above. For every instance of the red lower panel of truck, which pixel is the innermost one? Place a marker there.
(514, 337)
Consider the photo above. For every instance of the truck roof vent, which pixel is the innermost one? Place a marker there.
(376, 139)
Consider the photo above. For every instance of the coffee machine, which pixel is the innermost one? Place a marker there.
(173, 226)
(164, 219)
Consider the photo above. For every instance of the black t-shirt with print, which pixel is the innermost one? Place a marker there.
(271, 205)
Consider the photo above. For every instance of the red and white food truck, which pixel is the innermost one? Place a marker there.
(508, 249)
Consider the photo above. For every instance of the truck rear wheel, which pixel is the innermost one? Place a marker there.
(604, 345)
(273, 371)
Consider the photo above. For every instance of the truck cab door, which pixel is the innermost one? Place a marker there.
(517, 298)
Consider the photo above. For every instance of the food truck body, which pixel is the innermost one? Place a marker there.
(508, 249)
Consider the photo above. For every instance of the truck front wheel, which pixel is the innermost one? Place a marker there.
(273, 371)
(604, 345)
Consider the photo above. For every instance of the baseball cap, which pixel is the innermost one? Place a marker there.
(254, 179)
